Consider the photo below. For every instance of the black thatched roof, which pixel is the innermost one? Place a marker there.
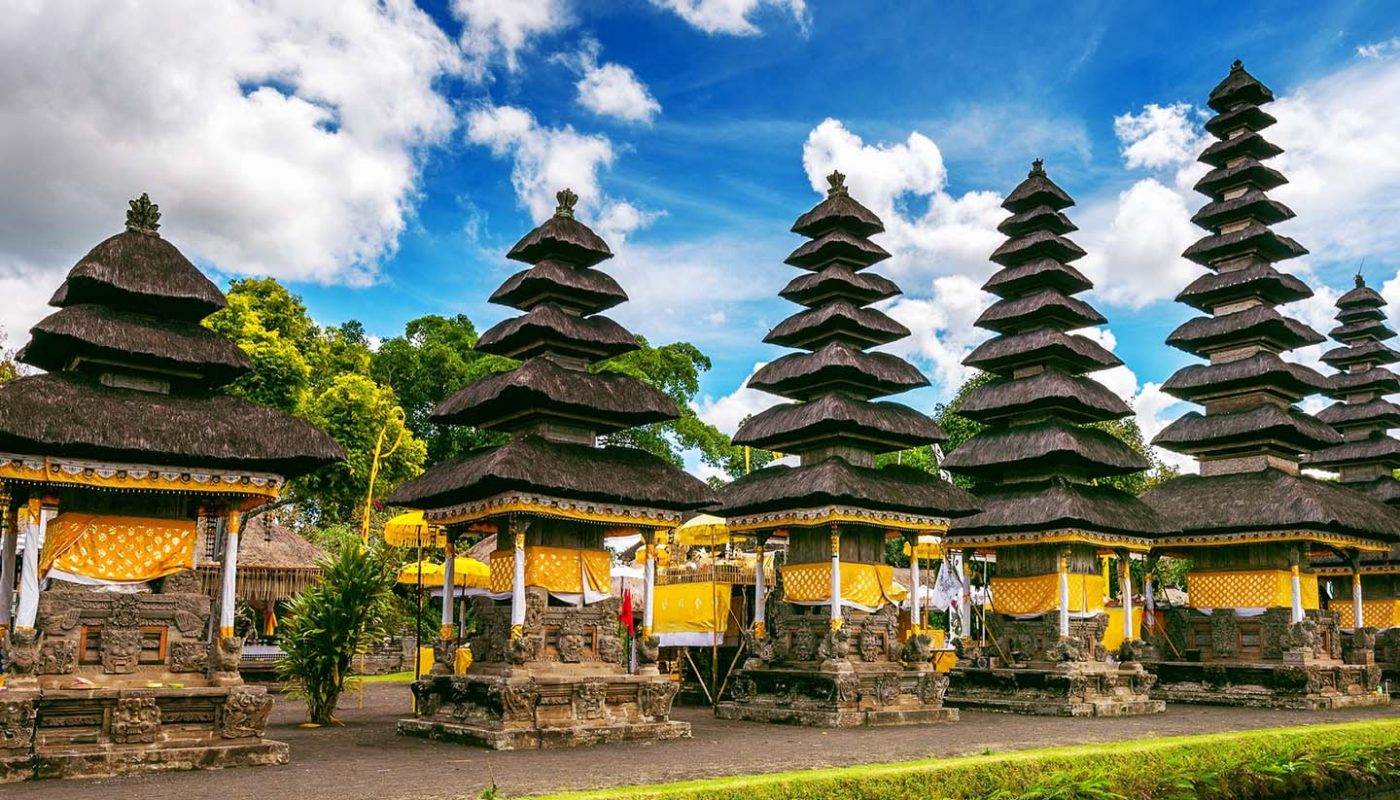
(531, 464)
(1270, 500)
(563, 238)
(1045, 307)
(836, 321)
(1069, 352)
(1034, 245)
(139, 271)
(1036, 190)
(839, 418)
(838, 282)
(1038, 218)
(833, 481)
(1252, 205)
(1238, 87)
(838, 210)
(1246, 170)
(547, 328)
(1258, 280)
(1067, 397)
(94, 332)
(1248, 117)
(1041, 273)
(1266, 426)
(1372, 352)
(1262, 325)
(1360, 296)
(72, 415)
(1374, 329)
(837, 246)
(1058, 504)
(1376, 412)
(1375, 379)
(837, 367)
(1256, 240)
(1044, 448)
(1378, 449)
(1265, 372)
(1250, 145)
(540, 388)
(578, 288)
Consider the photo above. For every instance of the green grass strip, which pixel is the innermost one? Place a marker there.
(393, 677)
(1295, 762)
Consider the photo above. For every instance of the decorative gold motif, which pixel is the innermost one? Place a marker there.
(827, 515)
(104, 475)
(556, 507)
(1038, 594)
(558, 569)
(113, 548)
(869, 585)
(1262, 588)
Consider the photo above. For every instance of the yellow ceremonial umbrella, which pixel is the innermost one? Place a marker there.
(411, 530)
(927, 547)
(427, 572)
(467, 573)
(703, 530)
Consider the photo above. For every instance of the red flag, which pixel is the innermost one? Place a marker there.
(626, 615)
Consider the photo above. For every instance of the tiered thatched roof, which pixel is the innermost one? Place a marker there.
(1369, 456)
(135, 377)
(1035, 463)
(1251, 435)
(835, 427)
(274, 563)
(553, 405)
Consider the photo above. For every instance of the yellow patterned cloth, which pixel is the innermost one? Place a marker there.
(1113, 634)
(1040, 593)
(109, 548)
(1260, 588)
(1378, 613)
(869, 585)
(691, 608)
(557, 569)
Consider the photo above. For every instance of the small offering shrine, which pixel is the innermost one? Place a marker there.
(1251, 524)
(549, 668)
(825, 647)
(127, 468)
(1037, 468)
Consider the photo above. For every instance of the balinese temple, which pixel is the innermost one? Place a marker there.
(1365, 586)
(1037, 468)
(549, 668)
(131, 468)
(825, 648)
(1250, 523)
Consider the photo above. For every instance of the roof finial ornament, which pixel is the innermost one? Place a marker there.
(1037, 168)
(567, 199)
(1237, 66)
(143, 216)
(1360, 281)
(837, 182)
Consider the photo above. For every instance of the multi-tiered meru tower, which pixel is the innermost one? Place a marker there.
(1037, 467)
(825, 649)
(1365, 587)
(549, 667)
(1249, 521)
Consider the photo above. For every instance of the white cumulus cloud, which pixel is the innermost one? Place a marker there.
(729, 16)
(613, 90)
(278, 138)
(1159, 136)
(494, 29)
(729, 411)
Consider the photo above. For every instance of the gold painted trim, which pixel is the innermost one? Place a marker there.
(828, 515)
(1338, 540)
(545, 506)
(1135, 544)
(136, 477)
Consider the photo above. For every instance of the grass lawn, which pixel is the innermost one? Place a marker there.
(393, 677)
(1297, 762)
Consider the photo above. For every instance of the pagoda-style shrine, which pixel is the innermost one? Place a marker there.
(1037, 468)
(549, 668)
(1250, 523)
(825, 648)
(1366, 586)
(130, 467)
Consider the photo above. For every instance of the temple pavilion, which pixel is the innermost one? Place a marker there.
(1037, 467)
(549, 668)
(825, 648)
(1365, 586)
(130, 468)
(1250, 523)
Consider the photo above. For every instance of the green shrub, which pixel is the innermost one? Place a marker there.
(1307, 761)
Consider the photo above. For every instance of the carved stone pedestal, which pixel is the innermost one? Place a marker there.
(562, 683)
(1051, 676)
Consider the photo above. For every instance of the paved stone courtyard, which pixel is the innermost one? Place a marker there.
(365, 759)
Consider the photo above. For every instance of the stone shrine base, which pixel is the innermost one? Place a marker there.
(838, 696)
(98, 733)
(1069, 689)
(522, 709)
(1312, 686)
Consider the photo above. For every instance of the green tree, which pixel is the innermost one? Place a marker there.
(354, 410)
(331, 623)
(960, 429)
(9, 368)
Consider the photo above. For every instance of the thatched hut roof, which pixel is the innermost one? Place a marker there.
(838, 282)
(839, 418)
(834, 481)
(1258, 280)
(563, 238)
(837, 367)
(1267, 427)
(837, 245)
(1058, 504)
(1049, 447)
(1065, 397)
(838, 210)
(547, 328)
(1069, 352)
(1040, 273)
(1048, 306)
(582, 289)
(1236, 88)
(1262, 325)
(837, 320)
(1248, 145)
(138, 270)
(274, 563)
(1262, 371)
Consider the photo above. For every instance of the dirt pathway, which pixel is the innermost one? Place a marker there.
(366, 760)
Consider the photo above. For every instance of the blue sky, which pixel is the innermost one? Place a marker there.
(383, 158)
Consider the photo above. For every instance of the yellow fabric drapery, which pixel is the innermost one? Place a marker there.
(1038, 594)
(1378, 613)
(870, 585)
(115, 548)
(1259, 588)
(557, 569)
(1113, 634)
(702, 530)
(927, 547)
(691, 608)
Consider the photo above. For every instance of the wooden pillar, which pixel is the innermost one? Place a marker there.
(649, 582)
(517, 584)
(835, 577)
(965, 607)
(228, 594)
(1125, 586)
(7, 565)
(1064, 595)
(29, 577)
(1297, 589)
(916, 620)
(449, 590)
(1358, 610)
